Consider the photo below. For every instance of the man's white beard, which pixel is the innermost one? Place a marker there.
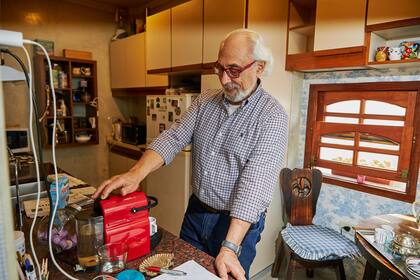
(236, 95)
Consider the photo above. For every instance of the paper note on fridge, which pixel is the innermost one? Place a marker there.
(194, 271)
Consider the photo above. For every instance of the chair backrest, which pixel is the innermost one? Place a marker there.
(300, 189)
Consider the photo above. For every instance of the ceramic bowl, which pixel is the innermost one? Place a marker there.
(83, 138)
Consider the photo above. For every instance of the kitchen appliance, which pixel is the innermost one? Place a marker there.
(116, 130)
(18, 140)
(134, 134)
(126, 220)
(163, 110)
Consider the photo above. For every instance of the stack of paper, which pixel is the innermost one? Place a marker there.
(194, 272)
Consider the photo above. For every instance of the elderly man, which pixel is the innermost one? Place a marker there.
(239, 138)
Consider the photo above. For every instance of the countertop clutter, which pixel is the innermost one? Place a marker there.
(169, 243)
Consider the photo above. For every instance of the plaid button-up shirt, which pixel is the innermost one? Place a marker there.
(236, 158)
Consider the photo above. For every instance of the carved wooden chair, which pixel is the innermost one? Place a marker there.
(298, 241)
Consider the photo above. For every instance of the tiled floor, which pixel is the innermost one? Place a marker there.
(353, 268)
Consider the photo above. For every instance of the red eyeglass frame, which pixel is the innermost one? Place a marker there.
(219, 69)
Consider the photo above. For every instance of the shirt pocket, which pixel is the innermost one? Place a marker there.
(238, 145)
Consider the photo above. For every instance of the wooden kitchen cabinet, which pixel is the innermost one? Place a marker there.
(220, 18)
(127, 62)
(383, 11)
(117, 60)
(325, 35)
(187, 34)
(158, 41)
(339, 24)
(128, 65)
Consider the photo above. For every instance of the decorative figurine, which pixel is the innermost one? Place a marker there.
(409, 50)
(394, 53)
(381, 54)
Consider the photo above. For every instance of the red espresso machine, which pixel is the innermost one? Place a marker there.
(126, 220)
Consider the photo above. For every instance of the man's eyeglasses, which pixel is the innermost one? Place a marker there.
(232, 71)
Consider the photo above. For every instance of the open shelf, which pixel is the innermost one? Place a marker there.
(394, 33)
(82, 77)
(415, 62)
(69, 90)
(307, 30)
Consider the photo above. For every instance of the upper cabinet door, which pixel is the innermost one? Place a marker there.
(339, 24)
(158, 40)
(381, 11)
(127, 61)
(220, 18)
(117, 60)
(187, 33)
(135, 70)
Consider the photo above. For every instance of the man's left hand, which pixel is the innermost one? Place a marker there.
(228, 262)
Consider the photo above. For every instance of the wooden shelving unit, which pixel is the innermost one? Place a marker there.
(301, 26)
(301, 54)
(77, 91)
(391, 35)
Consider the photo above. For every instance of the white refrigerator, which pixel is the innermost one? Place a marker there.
(171, 184)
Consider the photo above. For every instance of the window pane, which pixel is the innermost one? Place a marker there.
(378, 142)
(341, 120)
(349, 106)
(337, 155)
(388, 162)
(383, 108)
(344, 138)
(383, 122)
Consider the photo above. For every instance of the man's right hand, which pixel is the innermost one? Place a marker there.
(128, 182)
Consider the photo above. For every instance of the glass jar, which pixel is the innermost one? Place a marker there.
(63, 234)
(90, 236)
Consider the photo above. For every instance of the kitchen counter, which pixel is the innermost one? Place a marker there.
(169, 244)
(27, 172)
(127, 150)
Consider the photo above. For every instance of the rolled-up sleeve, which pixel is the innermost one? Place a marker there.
(259, 175)
(178, 136)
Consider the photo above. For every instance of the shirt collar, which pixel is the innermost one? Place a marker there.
(254, 96)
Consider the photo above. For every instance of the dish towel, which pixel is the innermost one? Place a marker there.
(314, 242)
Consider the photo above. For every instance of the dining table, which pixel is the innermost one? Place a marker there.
(378, 258)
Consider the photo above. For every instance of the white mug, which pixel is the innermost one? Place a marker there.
(384, 234)
(153, 225)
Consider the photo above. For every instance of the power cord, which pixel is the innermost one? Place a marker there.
(36, 163)
(25, 71)
(54, 164)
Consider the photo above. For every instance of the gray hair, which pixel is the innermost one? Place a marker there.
(260, 51)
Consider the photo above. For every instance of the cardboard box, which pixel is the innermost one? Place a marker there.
(48, 45)
(77, 54)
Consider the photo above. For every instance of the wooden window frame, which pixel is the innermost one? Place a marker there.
(412, 160)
